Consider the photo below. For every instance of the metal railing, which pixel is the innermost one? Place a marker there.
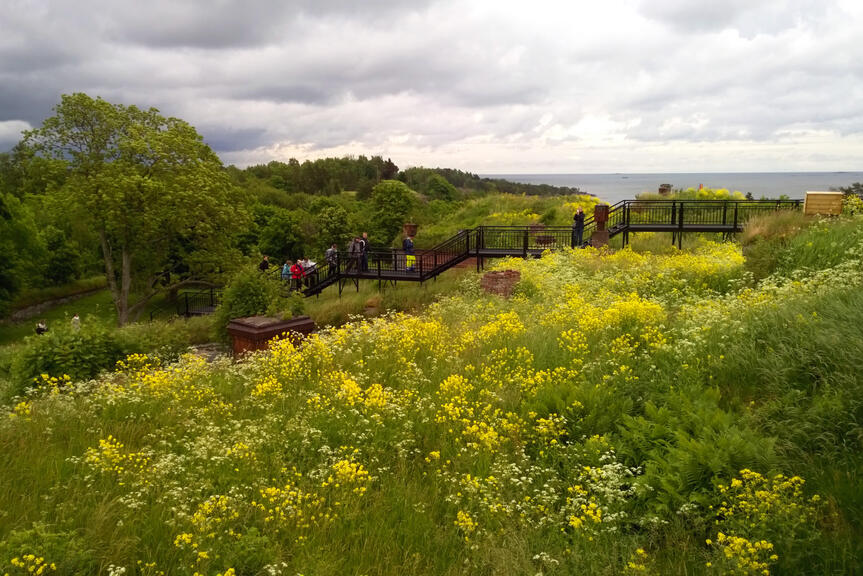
(676, 216)
(199, 303)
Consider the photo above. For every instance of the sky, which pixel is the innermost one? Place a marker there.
(485, 86)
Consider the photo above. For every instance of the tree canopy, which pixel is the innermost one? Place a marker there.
(157, 197)
(392, 201)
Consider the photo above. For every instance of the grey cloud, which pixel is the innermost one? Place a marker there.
(222, 139)
(208, 24)
(321, 75)
(750, 18)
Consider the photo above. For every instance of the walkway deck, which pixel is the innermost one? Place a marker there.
(629, 216)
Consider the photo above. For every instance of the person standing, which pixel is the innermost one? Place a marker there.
(408, 247)
(332, 258)
(310, 271)
(364, 256)
(265, 264)
(76, 322)
(286, 272)
(577, 227)
(354, 250)
(297, 275)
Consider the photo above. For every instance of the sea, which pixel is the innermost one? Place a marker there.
(616, 187)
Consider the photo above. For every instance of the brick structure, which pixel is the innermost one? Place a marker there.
(500, 282)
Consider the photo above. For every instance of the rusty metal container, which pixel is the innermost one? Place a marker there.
(255, 332)
(600, 215)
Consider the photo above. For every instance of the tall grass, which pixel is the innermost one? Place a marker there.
(629, 413)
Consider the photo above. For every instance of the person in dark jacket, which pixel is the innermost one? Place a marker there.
(364, 256)
(577, 227)
(408, 247)
(354, 254)
(332, 258)
(265, 264)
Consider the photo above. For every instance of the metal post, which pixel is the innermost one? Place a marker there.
(524, 246)
(736, 204)
(479, 238)
(680, 234)
(724, 211)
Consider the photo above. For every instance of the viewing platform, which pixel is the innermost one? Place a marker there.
(725, 217)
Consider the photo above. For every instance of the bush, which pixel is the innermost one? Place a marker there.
(84, 353)
(852, 205)
(81, 354)
(251, 293)
(165, 339)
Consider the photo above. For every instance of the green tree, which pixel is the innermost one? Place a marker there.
(20, 249)
(280, 234)
(440, 189)
(63, 261)
(332, 224)
(392, 202)
(856, 189)
(150, 189)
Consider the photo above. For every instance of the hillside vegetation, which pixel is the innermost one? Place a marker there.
(623, 413)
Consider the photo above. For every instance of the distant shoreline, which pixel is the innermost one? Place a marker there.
(614, 187)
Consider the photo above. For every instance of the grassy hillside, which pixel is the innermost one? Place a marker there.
(623, 413)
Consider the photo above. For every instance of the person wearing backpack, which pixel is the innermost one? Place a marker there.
(408, 247)
(286, 271)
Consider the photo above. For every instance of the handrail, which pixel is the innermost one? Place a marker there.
(675, 216)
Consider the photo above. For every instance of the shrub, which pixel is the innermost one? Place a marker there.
(252, 293)
(81, 354)
(852, 205)
(84, 353)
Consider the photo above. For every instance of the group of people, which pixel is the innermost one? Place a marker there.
(42, 325)
(358, 253)
(304, 272)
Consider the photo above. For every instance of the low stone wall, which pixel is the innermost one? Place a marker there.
(501, 282)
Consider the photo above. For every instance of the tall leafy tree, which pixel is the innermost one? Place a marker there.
(392, 201)
(20, 249)
(439, 188)
(332, 225)
(150, 189)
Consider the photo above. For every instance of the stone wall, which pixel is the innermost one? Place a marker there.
(501, 282)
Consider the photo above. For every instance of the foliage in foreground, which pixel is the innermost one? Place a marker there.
(84, 353)
(624, 413)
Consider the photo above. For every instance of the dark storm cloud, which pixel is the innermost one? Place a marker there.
(222, 139)
(220, 24)
(447, 78)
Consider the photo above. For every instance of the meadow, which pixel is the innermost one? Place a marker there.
(625, 412)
